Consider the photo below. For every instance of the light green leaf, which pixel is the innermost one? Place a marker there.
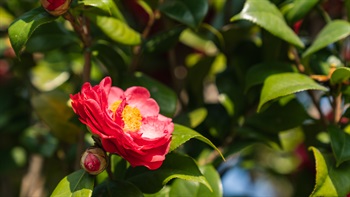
(324, 185)
(190, 13)
(340, 141)
(185, 188)
(22, 28)
(117, 30)
(284, 84)
(332, 32)
(193, 118)
(174, 166)
(107, 6)
(182, 134)
(79, 183)
(340, 75)
(267, 15)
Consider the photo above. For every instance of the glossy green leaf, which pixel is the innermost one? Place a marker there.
(192, 39)
(182, 134)
(117, 30)
(340, 141)
(174, 166)
(52, 108)
(284, 84)
(22, 28)
(332, 32)
(324, 185)
(79, 183)
(116, 189)
(299, 8)
(185, 188)
(267, 15)
(165, 97)
(340, 75)
(258, 73)
(48, 37)
(190, 13)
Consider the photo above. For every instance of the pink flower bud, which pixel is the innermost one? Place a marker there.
(56, 7)
(94, 160)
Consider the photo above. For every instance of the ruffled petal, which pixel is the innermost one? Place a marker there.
(139, 97)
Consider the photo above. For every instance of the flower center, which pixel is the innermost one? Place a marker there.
(131, 116)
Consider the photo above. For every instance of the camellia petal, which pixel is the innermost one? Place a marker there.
(128, 123)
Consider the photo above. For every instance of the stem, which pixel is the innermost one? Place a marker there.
(82, 27)
(337, 106)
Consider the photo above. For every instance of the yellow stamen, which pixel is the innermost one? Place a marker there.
(131, 116)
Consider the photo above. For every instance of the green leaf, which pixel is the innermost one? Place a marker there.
(340, 75)
(340, 141)
(193, 118)
(185, 188)
(79, 183)
(284, 84)
(22, 28)
(182, 134)
(267, 15)
(163, 41)
(52, 108)
(116, 188)
(332, 32)
(324, 185)
(258, 73)
(107, 6)
(299, 9)
(190, 13)
(116, 30)
(165, 97)
(174, 166)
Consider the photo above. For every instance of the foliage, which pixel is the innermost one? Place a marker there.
(265, 82)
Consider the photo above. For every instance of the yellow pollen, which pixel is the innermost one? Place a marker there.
(131, 116)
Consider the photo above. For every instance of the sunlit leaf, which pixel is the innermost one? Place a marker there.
(174, 166)
(267, 15)
(182, 134)
(107, 6)
(79, 183)
(299, 9)
(284, 84)
(22, 28)
(332, 32)
(117, 30)
(193, 118)
(340, 75)
(190, 13)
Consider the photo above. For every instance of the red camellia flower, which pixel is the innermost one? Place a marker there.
(56, 7)
(128, 123)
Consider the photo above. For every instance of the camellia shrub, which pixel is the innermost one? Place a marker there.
(165, 98)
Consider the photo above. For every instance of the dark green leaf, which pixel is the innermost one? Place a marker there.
(116, 189)
(52, 108)
(185, 188)
(332, 32)
(340, 141)
(22, 28)
(165, 97)
(117, 30)
(79, 183)
(299, 9)
(258, 73)
(190, 13)
(267, 15)
(284, 84)
(182, 134)
(163, 41)
(174, 166)
(340, 75)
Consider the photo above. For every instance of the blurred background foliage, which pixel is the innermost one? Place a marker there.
(205, 64)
